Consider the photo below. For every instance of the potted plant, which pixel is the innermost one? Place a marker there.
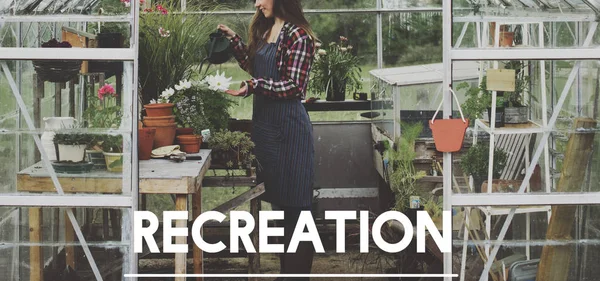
(232, 150)
(475, 162)
(58, 71)
(516, 110)
(112, 147)
(161, 107)
(336, 69)
(102, 112)
(434, 207)
(403, 175)
(202, 105)
(479, 101)
(171, 46)
(71, 146)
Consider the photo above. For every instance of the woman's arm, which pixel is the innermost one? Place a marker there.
(240, 51)
(294, 78)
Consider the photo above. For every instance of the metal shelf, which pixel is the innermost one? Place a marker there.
(527, 128)
(501, 211)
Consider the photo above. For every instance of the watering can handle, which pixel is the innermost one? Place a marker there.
(457, 103)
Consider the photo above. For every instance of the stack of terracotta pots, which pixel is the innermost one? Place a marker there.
(160, 117)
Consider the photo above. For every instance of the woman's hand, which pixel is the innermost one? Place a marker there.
(228, 32)
(236, 93)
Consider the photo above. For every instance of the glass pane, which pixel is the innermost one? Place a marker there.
(38, 241)
(80, 118)
(412, 38)
(572, 250)
(63, 34)
(63, 7)
(476, 24)
(524, 110)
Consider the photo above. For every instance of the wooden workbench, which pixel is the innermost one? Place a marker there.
(156, 176)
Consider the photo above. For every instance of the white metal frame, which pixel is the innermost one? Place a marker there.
(483, 54)
(128, 201)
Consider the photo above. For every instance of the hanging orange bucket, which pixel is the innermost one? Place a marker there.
(448, 134)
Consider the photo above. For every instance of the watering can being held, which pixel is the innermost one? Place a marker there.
(219, 50)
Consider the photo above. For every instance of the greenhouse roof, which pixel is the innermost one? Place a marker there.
(563, 6)
(30, 7)
(426, 73)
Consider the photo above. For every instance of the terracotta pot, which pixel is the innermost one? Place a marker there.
(165, 135)
(448, 134)
(145, 142)
(506, 38)
(159, 109)
(189, 143)
(159, 120)
(184, 131)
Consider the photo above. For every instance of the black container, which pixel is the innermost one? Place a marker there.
(499, 120)
(411, 214)
(110, 68)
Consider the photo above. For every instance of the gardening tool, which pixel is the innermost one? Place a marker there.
(218, 49)
(448, 134)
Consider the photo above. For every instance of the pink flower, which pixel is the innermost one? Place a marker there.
(343, 39)
(106, 90)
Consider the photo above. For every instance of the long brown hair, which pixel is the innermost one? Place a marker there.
(287, 10)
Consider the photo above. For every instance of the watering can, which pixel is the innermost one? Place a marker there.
(218, 48)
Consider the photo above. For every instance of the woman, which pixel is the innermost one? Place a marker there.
(279, 57)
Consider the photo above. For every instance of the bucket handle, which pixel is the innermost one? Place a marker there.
(457, 103)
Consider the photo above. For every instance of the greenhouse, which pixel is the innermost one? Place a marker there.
(481, 115)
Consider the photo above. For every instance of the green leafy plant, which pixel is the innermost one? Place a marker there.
(336, 68)
(434, 206)
(478, 99)
(112, 143)
(202, 108)
(171, 45)
(234, 147)
(522, 80)
(403, 175)
(102, 110)
(72, 138)
(475, 161)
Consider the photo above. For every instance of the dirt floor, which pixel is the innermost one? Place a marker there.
(350, 262)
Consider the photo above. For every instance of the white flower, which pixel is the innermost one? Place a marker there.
(218, 81)
(343, 49)
(152, 101)
(349, 47)
(318, 45)
(165, 95)
(322, 52)
(183, 85)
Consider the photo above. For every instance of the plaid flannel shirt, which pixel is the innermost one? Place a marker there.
(294, 58)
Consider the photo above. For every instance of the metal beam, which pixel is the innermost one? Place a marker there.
(112, 54)
(472, 54)
(85, 201)
(64, 18)
(527, 199)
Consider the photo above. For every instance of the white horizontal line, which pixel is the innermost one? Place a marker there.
(289, 275)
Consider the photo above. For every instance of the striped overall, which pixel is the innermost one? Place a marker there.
(282, 133)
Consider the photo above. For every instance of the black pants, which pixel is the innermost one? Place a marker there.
(299, 262)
